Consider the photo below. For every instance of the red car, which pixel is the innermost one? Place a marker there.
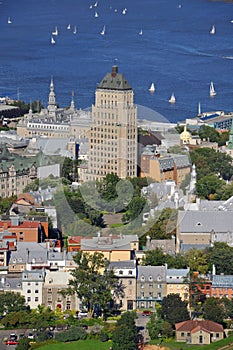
(146, 313)
(11, 342)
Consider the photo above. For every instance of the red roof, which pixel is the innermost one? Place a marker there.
(24, 224)
(191, 326)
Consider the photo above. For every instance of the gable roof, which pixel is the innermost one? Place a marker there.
(191, 326)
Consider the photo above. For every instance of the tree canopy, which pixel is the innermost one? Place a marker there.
(94, 283)
(124, 336)
(11, 302)
(173, 309)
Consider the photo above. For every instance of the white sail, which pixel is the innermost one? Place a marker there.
(75, 30)
(199, 108)
(96, 14)
(55, 32)
(9, 20)
(212, 89)
(103, 31)
(52, 41)
(140, 33)
(212, 31)
(69, 26)
(152, 87)
(172, 98)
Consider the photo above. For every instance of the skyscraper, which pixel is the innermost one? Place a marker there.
(113, 132)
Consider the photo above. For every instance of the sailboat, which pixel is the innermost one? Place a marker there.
(55, 32)
(212, 31)
(103, 31)
(172, 98)
(75, 30)
(96, 4)
(52, 40)
(68, 27)
(124, 11)
(9, 20)
(96, 14)
(212, 90)
(140, 33)
(152, 87)
(199, 108)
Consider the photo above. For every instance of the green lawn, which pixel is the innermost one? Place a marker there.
(214, 346)
(80, 345)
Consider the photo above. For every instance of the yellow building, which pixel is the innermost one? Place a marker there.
(177, 283)
(114, 248)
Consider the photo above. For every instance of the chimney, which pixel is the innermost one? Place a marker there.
(213, 270)
(114, 71)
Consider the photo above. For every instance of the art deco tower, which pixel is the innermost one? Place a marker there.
(113, 133)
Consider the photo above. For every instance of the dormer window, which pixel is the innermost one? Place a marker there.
(150, 278)
(198, 224)
(143, 278)
(159, 278)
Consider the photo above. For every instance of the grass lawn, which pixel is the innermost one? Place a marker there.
(80, 345)
(214, 346)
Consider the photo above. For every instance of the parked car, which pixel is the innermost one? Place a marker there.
(13, 336)
(11, 342)
(31, 336)
(146, 313)
(82, 314)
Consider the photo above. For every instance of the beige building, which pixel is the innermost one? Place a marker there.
(199, 332)
(126, 271)
(54, 283)
(113, 132)
(163, 168)
(54, 122)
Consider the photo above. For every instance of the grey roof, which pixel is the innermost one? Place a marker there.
(26, 251)
(181, 160)
(187, 247)
(126, 264)
(10, 283)
(222, 281)
(108, 243)
(205, 221)
(114, 81)
(151, 273)
(166, 163)
(206, 205)
(161, 189)
(34, 275)
(176, 275)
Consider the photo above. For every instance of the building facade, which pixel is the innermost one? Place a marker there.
(113, 132)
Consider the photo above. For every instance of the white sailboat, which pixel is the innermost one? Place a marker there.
(75, 30)
(140, 33)
(96, 4)
(68, 27)
(152, 87)
(124, 11)
(52, 40)
(103, 31)
(9, 20)
(96, 14)
(213, 30)
(172, 98)
(212, 90)
(55, 32)
(199, 108)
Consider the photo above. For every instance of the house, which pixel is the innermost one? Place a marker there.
(199, 332)
(54, 283)
(32, 283)
(178, 282)
(126, 272)
(114, 248)
(199, 229)
(151, 286)
(26, 230)
(222, 286)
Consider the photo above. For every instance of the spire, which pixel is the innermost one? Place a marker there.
(52, 106)
(230, 141)
(30, 109)
(72, 106)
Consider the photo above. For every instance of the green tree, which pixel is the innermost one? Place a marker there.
(124, 336)
(173, 309)
(12, 302)
(208, 185)
(209, 133)
(24, 344)
(213, 310)
(221, 255)
(94, 283)
(135, 208)
(155, 257)
(197, 260)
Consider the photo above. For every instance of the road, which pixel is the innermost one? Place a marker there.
(141, 321)
(5, 334)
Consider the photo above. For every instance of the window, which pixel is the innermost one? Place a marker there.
(36, 299)
(36, 291)
(29, 291)
(29, 283)
(188, 334)
(120, 272)
(182, 334)
(29, 299)
(217, 335)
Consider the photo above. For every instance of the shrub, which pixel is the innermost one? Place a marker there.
(72, 334)
(103, 336)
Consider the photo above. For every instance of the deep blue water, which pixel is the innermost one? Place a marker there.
(176, 51)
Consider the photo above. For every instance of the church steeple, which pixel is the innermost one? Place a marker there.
(72, 106)
(52, 100)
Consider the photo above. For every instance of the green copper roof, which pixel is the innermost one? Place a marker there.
(114, 81)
